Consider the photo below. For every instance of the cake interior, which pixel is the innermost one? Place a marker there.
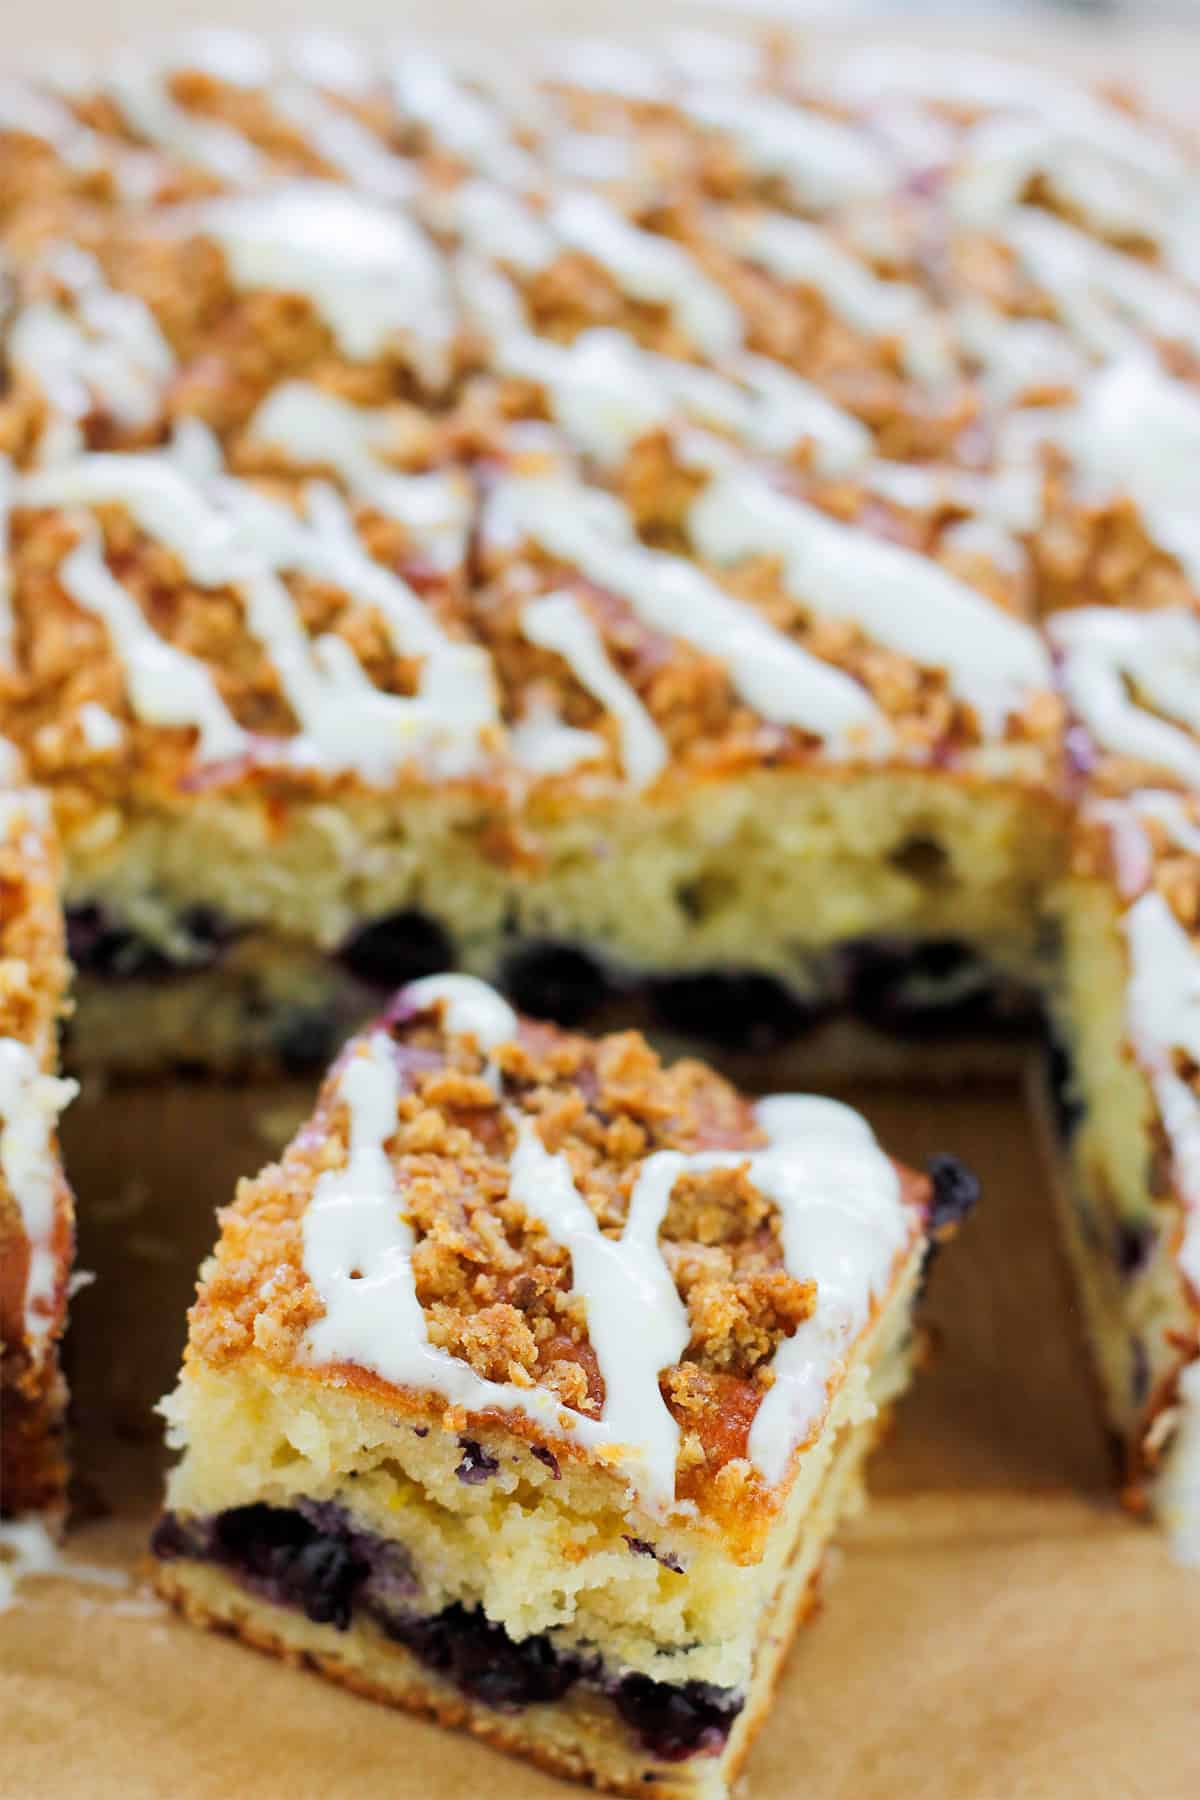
(496, 1588)
(1118, 1211)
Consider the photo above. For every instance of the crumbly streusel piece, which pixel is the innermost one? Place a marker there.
(528, 1387)
(36, 1222)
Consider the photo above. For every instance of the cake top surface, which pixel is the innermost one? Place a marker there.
(624, 1261)
(375, 417)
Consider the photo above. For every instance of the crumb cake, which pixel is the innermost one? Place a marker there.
(36, 1225)
(527, 1388)
(701, 537)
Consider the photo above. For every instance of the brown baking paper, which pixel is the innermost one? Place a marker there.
(994, 1627)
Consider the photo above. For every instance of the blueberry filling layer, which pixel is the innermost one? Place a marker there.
(311, 1557)
(103, 946)
(932, 988)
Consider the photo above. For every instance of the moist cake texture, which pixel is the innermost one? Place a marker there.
(36, 1226)
(529, 1385)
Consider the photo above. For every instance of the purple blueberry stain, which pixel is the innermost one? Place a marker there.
(666, 1558)
(548, 1457)
(476, 1466)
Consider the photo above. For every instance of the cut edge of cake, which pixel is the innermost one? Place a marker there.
(619, 1575)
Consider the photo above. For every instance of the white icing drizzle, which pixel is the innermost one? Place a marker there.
(544, 744)
(367, 269)
(636, 1322)
(7, 622)
(1171, 812)
(607, 393)
(1104, 297)
(30, 1102)
(313, 426)
(139, 89)
(166, 686)
(346, 722)
(109, 351)
(826, 162)
(345, 143)
(27, 1548)
(650, 268)
(1106, 651)
(900, 599)
(40, 115)
(558, 622)
(1136, 431)
(844, 1225)
(100, 730)
(1164, 1018)
(794, 250)
(593, 532)
(461, 121)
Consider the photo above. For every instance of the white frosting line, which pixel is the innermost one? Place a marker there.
(30, 1102)
(992, 660)
(544, 744)
(7, 622)
(27, 1548)
(1164, 1017)
(139, 90)
(844, 1224)
(557, 622)
(1107, 652)
(592, 532)
(346, 722)
(793, 250)
(367, 269)
(470, 1008)
(459, 120)
(312, 426)
(636, 1322)
(826, 162)
(100, 730)
(650, 268)
(346, 144)
(166, 686)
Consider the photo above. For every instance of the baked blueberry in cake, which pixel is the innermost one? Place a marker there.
(527, 1388)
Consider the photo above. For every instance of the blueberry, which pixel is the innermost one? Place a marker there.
(305, 1039)
(1133, 1245)
(557, 982)
(674, 1722)
(955, 1192)
(476, 1465)
(398, 948)
(736, 1011)
(484, 1661)
(292, 1561)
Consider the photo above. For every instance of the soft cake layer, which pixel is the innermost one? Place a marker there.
(538, 1363)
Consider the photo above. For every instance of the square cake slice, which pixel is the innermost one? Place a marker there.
(36, 1216)
(527, 1388)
